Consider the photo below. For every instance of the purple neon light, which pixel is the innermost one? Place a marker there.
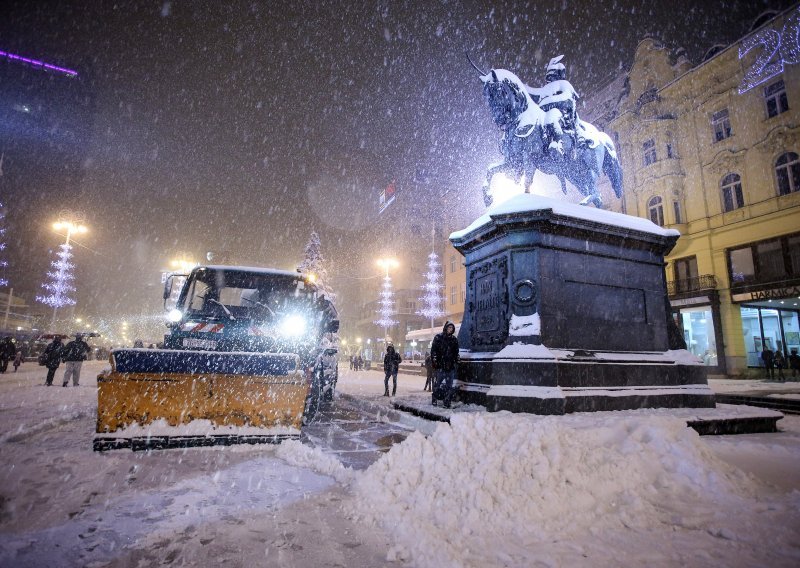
(41, 64)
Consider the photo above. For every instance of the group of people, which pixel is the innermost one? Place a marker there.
(775, 360)
(356, 362)
(73, 354)
(8, 353)
(440, 364)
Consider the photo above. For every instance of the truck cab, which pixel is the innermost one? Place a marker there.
(255, 310)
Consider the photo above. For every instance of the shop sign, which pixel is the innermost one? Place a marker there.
(774, 294)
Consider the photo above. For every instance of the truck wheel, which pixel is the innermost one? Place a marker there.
(314, 400)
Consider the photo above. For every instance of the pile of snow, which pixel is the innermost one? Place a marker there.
(514, 490)
(296, 453)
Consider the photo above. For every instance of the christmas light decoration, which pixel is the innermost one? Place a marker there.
(3, 261)
(386, 305)
(431, 301)
(60, 280)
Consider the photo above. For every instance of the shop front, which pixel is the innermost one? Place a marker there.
(770, 324)
(696, 309)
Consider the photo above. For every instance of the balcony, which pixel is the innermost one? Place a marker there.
(689, 286)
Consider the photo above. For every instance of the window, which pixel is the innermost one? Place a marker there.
(742, 265)
(670, 154)
(649, 150)
(685, 269)
(721, 123)
(452, 263)
(656, 211)
(775, 97)
(732, 197)
(463, 291)
(452, 295)
(787, 170)
(676, 207)
(767, 261)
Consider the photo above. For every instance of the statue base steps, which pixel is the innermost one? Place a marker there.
(582, 383)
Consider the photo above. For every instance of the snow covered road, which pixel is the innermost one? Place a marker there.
(605, 489)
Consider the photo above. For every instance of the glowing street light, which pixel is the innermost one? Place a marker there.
(388, 263)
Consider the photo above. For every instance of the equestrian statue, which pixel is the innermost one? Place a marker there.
(542, 131)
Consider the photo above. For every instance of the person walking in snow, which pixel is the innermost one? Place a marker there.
(428, 364)
(74, 354)
(769, 362)
(7, 353)
(780, 363)
(794, 362)
(391, 364)
(17, 360)
(444, 356)
(51, 358)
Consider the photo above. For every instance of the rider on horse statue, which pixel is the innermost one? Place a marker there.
(559, 93)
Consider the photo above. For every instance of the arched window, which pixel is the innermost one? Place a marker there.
(732, 197)
(656, 208)
(787, 170)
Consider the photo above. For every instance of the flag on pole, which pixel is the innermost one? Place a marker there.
(386, 197)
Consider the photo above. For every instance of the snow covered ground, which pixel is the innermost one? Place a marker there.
(605, 489)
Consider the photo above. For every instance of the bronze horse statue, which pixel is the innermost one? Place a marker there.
(532, 140)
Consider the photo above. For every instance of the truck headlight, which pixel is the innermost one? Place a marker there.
(174, 316)
(293, 326)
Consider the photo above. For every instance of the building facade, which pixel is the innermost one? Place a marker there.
(713, 150)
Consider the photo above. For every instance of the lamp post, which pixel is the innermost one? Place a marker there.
(386, 303)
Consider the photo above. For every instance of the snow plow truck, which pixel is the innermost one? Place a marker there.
(249, 358)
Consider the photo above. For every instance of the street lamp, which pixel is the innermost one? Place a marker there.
(388, 263)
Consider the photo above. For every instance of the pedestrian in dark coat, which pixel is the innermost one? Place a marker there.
(7, 353)
(794, 362)
(74, 354)
(444, 355)
(391, 364)
(51, 358)
(769, 362)
(17, 360)
(780, 364)
(428, 364)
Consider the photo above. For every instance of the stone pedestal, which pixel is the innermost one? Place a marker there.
(567, 311)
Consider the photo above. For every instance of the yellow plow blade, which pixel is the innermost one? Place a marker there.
(158, 394)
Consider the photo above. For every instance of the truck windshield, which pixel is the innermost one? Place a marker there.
(246, 295)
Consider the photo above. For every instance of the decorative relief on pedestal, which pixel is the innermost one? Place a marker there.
(489, 302)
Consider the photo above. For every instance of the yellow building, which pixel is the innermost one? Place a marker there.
(713, 150)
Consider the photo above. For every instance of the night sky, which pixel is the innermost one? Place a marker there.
(244, 127)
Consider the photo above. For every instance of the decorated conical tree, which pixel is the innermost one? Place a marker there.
(59, 283)
(386, 306)
(314, 263)
(3, 261)
(431, 301)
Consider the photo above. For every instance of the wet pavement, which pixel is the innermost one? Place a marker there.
(356, 435)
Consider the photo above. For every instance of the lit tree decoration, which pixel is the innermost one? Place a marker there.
(432, 300)
(314, 263)
(60, 283)
(60, 280)
(386, 305)
(3, 261)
